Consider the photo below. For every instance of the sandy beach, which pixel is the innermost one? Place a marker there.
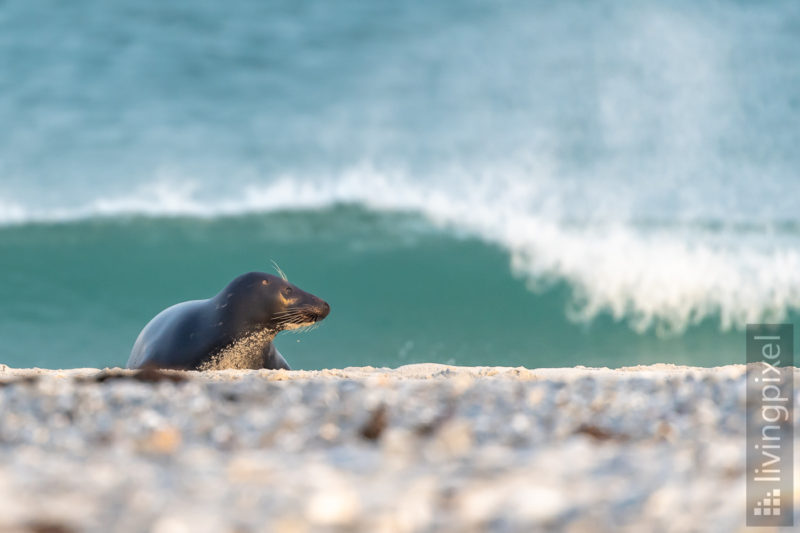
(420, 448)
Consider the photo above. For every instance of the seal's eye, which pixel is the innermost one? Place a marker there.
(265, 282)
(287, 291)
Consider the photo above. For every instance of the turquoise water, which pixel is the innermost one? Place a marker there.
(516, 183)
(401, 293)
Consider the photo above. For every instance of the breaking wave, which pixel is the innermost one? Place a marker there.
(662, 275)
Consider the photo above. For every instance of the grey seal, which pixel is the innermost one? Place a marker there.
(233, 329)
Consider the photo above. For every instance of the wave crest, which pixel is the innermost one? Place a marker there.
(666, 278)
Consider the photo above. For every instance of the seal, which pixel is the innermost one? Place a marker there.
(233, 329)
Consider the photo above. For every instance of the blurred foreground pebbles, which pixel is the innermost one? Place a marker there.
(420, 448)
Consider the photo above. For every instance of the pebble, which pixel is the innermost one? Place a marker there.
(420, 448)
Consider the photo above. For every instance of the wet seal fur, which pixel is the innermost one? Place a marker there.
(233, 329)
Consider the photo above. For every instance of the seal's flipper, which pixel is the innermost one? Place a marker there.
(273, 358)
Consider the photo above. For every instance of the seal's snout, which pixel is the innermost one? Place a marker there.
(321, 310)
(324, 310)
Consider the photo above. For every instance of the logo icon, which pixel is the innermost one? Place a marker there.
(770, 505)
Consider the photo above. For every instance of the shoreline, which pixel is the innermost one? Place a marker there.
(409, 371)
(418, 448)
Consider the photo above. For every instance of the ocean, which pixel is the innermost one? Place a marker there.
(475, 183)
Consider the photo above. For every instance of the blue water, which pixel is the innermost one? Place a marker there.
(521, 183)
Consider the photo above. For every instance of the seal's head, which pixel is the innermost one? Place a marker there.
(266, 301)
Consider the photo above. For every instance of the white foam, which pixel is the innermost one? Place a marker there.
(667, 278)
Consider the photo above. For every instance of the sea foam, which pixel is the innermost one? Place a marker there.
(665, 277)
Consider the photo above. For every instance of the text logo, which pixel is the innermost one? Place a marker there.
(770, 424)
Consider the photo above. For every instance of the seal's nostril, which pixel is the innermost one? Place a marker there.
(325, 309)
